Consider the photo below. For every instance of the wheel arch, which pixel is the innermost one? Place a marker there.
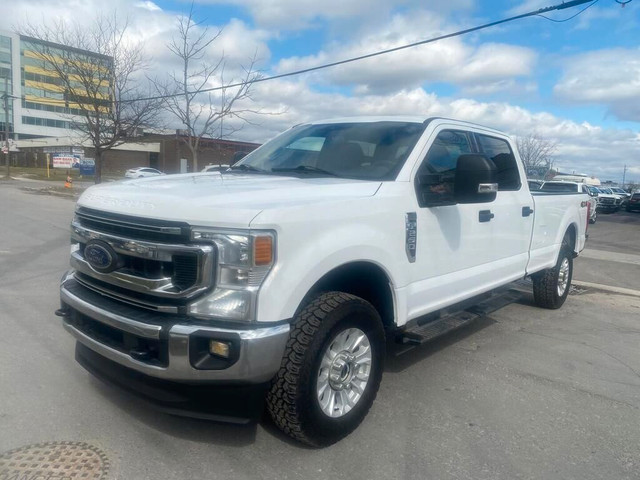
(363, 279)
(572, 234)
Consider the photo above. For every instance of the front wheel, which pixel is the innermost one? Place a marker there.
(551, 286)
(331, 370)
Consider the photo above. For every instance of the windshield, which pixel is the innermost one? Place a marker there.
(366, 151)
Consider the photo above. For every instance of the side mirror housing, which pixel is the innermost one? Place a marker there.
(475, 179)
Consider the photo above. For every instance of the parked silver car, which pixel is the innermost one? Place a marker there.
(215, 168)
(140, 172)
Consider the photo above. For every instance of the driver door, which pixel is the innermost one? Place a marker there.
(454, 250)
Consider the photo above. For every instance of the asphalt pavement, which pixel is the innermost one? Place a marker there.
(524, 393)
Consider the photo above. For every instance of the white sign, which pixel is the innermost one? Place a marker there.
(64, 161)
(64, 150)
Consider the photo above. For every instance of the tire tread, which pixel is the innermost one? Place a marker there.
(282, 398)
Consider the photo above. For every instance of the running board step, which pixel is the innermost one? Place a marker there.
(423, 332)
(419, 334)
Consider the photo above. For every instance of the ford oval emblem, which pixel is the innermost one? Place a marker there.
(100, 256)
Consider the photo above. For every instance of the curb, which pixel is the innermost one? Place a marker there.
(47, 191)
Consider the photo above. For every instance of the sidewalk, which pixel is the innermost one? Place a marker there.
(44, 187)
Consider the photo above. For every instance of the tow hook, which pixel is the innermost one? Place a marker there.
(62, 312)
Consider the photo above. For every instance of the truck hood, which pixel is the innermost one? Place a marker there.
(214, 199)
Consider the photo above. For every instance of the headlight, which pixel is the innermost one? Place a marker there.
(244, 260)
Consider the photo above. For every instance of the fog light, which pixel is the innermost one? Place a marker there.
(221, 349)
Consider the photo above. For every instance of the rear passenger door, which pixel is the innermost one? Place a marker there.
(512, 210)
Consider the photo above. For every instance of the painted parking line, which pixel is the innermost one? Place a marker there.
(628, 258)
(606, 288)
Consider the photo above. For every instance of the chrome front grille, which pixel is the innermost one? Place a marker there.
(144, 270)
(133, 227)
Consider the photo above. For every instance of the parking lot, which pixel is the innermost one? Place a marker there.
(522, 393)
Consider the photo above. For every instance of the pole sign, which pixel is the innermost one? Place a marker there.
(64, 161)
(64, 150)
(87, 166)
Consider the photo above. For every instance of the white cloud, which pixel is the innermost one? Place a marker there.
(605, 77)
(395, 84)
(583, 147)
(300, 14)
(148, 5)
(485, 67)
(528, 6)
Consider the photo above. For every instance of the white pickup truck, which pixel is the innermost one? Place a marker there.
(284, 277)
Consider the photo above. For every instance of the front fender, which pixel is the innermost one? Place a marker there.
(300, 266)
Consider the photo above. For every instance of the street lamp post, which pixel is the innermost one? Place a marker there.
(5, 97)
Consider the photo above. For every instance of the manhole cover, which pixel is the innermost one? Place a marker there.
(54, 461)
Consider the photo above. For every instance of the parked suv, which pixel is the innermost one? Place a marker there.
(619, 191)
(634, 203)
(608, 201)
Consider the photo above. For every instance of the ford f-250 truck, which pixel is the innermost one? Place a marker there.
(287, 274)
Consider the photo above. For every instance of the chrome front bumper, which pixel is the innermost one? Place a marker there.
(259, 357)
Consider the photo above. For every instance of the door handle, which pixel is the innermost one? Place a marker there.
(526, 211)
(485, 216)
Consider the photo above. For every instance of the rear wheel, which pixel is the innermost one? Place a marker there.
(593, 219)
(551, 286)
(331, 370)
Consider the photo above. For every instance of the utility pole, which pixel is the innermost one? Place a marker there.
(624, 175)
(6, 123)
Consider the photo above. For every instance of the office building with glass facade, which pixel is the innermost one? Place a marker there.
(41, 104)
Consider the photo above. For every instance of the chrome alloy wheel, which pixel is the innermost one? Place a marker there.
(563, 276)
(344, 372)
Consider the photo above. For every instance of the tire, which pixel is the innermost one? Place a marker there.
(295, 401)
(594, 218)
(551, 287)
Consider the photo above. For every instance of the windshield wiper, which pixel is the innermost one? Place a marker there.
(247, 168)
(305, 169)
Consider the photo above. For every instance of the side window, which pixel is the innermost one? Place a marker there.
(436, 173)
(500, 152)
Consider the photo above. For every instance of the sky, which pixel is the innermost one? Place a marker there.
(576, 82)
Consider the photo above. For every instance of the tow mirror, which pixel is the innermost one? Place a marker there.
(475, 179)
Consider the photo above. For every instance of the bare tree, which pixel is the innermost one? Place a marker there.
(536, 152)
(99, 76)
(203, 113)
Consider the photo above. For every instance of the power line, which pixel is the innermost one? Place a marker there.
(562, 6)
(572, 16)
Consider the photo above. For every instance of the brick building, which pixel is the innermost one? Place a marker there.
(174, 154)
(167, 153)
